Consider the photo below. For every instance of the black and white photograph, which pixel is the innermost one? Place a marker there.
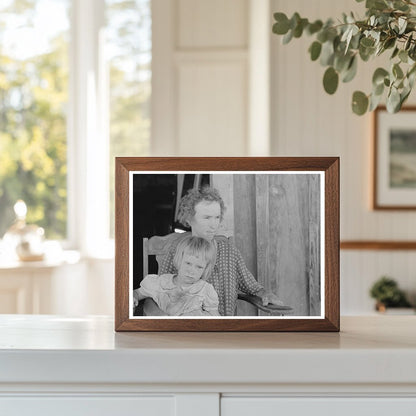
(226, 245)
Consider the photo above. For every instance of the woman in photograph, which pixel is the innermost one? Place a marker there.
(203, 210)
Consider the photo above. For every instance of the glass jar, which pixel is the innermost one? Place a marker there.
(23, 240)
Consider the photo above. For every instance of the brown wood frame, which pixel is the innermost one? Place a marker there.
(329, 165)
(376, 205)
(378, 245)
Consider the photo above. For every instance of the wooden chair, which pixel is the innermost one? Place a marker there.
(159, 247)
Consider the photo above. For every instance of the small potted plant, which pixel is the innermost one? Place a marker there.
(387, 294)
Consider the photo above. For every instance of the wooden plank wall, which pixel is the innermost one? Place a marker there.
(245, 228)
(277, 226)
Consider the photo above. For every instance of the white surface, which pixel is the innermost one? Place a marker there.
(317, 407)
(46, 349)
(54, 365)
(200, 404)
(88, 406)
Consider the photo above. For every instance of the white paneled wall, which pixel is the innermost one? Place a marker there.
(212, 24)
(203, 66)
(306, 121)
(212, 103)
(223, 86)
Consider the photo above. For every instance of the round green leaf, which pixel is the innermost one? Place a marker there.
(327, 54)
(315, 50)
(393, 101)
(389, 43)
(374, 102)
(400, 5)
(397, 71)
(395, 52)
(288, 37)
(366, 53)
(294, 20)
(351, 71)
(281, 26)
(342, 61)
(298, 30)
(378, 90)
(359, 103)
(314, 27)
(379, 75)
(322, 36)
(403, 97)
(330, 80)
(403, 56)
(376, 4)
(367, 42)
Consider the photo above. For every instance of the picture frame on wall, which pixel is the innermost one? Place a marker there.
(227, 244)
(394, 144)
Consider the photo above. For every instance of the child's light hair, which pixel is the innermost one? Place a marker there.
(196, 246)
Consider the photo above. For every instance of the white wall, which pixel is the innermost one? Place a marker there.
(308, 122)
(202, 105)
(200, 77)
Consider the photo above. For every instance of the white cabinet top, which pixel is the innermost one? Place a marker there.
(50, 349)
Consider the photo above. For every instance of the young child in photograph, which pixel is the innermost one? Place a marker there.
(186, 293)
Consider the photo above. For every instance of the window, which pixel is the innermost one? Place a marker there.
(75, 87)
(33, 99)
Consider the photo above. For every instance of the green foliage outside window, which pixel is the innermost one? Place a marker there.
(33, 97)
(34, 102)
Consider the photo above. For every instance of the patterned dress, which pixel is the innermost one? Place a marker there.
(230, 274)
(177, 301)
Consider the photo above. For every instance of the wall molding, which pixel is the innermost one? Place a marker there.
(378, 245)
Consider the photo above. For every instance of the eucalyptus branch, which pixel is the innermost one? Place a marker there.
(389, 25)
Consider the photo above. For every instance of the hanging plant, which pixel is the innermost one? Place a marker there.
(388, 27)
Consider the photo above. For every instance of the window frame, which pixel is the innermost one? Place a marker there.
(87, 128)
(87, 133)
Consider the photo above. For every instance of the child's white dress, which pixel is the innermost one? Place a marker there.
(175, 301)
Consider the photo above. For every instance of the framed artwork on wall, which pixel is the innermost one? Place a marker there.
(227, 244)
(394, 178)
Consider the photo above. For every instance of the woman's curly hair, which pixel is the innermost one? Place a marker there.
(194, 196)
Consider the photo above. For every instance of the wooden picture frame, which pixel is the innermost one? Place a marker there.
(305, 190)
(394, 158)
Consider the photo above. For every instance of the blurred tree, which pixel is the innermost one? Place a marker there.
(33, 97)
(34, 100)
